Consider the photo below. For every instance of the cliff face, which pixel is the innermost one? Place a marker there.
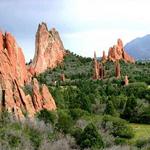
(49, 50)
(12, 62)
(117, 52)
(13, 77)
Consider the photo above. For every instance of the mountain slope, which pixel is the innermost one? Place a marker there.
(139, 48)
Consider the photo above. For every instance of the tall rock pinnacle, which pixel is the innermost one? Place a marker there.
(117, 69)
(96, 68)
(49, 50)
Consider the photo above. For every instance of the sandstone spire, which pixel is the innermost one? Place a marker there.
(96, 67)
(126, 81)
(101, 71)
(62, 77)
(104, 57)
(49, 50)
(117, 69)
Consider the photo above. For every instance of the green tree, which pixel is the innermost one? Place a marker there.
(47, 116)
(65, 122)
(90, 138)
(110, 109)
(130, 111)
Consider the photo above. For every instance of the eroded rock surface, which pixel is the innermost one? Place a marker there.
(49, 50)
(13, 77)
(117, 52)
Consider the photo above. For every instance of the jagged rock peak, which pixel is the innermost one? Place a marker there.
(49, 50)
(117, 52)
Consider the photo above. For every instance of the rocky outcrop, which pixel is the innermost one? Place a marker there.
(62, 77)
(126, 81)
(101, 71)
(117, 52)
(12, 64)
(13, 77)
(117, 69)
(49, 50)
(96, 68)
(104, 57)
(13, 73)
(42, 98)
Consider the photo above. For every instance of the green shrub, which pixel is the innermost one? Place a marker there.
(76, 113)
(137, 89)
(76, 133)
(142, 142)
(130, 111)
(118, 128)
(121, 129)
(110, 109)
(65, 122)
(28, 89)
(47, 116)
(90, 138)
(35, 138)
(120, 141)
(13, 140)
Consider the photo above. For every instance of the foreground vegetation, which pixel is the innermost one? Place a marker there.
(101, 114)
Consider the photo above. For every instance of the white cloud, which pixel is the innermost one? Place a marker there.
(84, 25)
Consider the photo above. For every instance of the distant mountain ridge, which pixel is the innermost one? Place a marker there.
(139, 48)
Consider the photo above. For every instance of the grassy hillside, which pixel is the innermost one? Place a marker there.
(93, 114)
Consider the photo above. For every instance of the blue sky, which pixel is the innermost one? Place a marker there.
(84, 25)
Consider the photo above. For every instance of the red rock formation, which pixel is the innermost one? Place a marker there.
(13, 76)
(117, 69)
(126, 81)
(101, 71)
(96, 68)
(47, 99)
(62, 77)
(49, 50)
(12, 53)
(42, 99)
(104, 57)
(1, 41)
(117, 52)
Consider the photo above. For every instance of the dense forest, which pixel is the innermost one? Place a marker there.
(91, 114)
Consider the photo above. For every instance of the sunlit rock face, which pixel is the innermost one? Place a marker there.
(12, 62)
(117, 52)
(96, 68)
(49, 50)
(117, 69)
(42, 99)
(13, 77)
